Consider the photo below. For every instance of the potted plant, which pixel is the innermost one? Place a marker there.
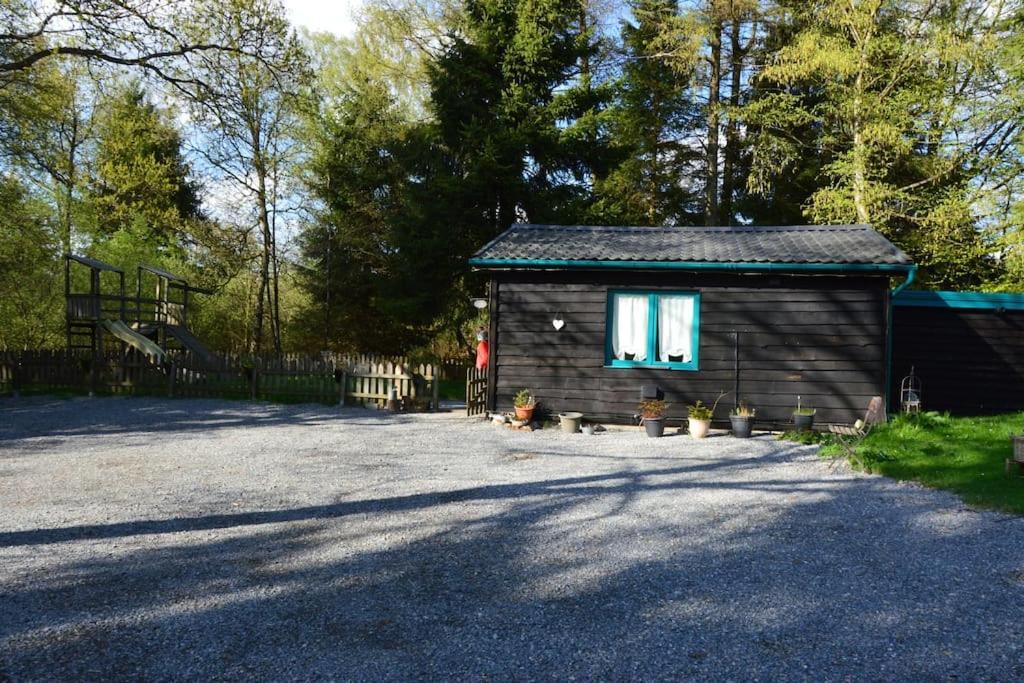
(700, 417)
(742, 419)
(803, 417)
(653, 413)
(524, 402)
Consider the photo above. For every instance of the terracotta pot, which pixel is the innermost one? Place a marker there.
(524, 414)
(699, 428)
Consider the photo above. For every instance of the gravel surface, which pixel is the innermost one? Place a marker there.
(208, 540)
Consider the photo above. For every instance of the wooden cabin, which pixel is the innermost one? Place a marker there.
(584, 316)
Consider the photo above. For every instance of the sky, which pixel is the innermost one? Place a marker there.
(334, 16)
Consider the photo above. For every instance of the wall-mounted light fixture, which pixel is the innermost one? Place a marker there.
(558, 323)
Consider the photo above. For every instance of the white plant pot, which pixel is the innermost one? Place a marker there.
(699, 428)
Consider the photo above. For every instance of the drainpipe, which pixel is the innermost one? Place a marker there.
(911, 274)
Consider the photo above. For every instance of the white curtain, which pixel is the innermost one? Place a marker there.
(675, 328)
(629, 334)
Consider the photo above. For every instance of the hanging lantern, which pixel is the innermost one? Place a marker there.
(910, 393)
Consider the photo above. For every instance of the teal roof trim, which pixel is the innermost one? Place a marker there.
(975, 300)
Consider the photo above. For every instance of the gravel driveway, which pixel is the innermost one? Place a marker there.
(153, 540)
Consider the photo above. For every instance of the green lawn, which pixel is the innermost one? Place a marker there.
(965, 455)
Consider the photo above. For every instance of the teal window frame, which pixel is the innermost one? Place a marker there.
(652, 331)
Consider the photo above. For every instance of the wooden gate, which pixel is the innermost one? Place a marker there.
(476, 391)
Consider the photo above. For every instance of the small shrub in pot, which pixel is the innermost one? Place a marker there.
(700, 417)
(653, 414)
(803, 417)
(742, 419)
(524, 403)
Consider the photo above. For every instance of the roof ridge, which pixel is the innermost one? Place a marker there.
(695, 228)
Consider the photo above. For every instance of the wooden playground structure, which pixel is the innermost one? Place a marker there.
(106, 317)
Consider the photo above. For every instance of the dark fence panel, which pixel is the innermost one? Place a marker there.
(966, 348)
(290, 378)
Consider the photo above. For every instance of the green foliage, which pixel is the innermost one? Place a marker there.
(651, 121)
(440, 123)
(700, 411)
(877, 107)
(809, 437)
(31, 274)
(743, 410)
(965, 455)
(140, 176)
(653, 409)
(524, 399)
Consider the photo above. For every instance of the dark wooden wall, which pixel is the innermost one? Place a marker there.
(822, 338)
(970, 361)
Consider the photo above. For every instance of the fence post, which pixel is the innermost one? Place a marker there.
(343, 388)
(171, 379)
(436, 390)
(16, 375)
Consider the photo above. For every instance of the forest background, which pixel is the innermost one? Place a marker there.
(330, 189)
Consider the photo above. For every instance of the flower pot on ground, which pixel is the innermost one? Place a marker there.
(653, 414)
(699, 428)
(700, 416)
(524, 403)
(803, 417)
(570, 422)
(654, 427)
(742, 419)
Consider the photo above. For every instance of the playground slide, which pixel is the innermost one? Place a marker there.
(190, 342)
(134, 339)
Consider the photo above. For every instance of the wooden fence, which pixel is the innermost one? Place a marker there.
(328, 378)
(476, 391)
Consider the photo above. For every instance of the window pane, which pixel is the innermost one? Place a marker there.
(675, 328)
(629, 331)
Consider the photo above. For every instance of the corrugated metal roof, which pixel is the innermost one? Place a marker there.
(160, 272)
(792, 245)
(93, 263)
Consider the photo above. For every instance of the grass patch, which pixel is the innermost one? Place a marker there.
(965, 455)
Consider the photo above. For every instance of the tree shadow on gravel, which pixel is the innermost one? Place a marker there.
(627, 483)
(34, 418)
(823, 579)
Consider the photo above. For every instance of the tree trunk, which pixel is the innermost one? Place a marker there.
(732, 131)
(711, 178)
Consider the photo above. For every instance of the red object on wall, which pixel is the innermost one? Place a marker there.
(482, 354)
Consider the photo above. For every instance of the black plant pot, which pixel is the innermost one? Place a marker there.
(655, 426)
(803, 423)
(742, 426)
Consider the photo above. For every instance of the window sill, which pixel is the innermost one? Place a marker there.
(626, 365)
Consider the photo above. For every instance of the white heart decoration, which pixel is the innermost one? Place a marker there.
(558, 323)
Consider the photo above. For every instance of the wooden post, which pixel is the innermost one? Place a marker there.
(492, 341)
(173, 368)
(436, 393)
(15, 367)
